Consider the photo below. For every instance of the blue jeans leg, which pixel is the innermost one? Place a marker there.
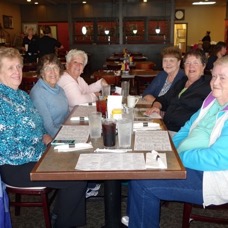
(145, 196)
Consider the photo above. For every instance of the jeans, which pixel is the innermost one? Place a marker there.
(145, 196)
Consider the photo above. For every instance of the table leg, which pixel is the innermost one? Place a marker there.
(112, 200)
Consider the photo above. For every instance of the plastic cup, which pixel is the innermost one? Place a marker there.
(106, 90)
(101, 106)
(109, 132)
(95, 124)
(124, 132)
(125, 88)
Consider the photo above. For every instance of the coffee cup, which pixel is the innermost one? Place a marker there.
(132, 101)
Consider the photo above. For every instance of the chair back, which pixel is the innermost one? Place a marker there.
(144, 65)
(28, 82)
(110, 79)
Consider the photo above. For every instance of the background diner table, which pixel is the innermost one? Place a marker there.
(29, 79)
(139, 78)
(61, 166)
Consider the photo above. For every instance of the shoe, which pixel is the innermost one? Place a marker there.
(53, 220)
(92, 191)
(96, 188)
(125, 220)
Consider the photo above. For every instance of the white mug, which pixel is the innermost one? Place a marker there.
(132, 101)
(26, 47)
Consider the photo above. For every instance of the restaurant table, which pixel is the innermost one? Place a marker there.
(61, 166)
(139, 74)
(120, 58)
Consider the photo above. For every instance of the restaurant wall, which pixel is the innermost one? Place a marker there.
(13, 11)
(204, 18)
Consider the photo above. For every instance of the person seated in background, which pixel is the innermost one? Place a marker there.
(166, 79)
(202, 146)
(30, 46)
(23, 140)
(47, 96)
(47, 44)
(75, 87)
(187, 95)
(218, 51)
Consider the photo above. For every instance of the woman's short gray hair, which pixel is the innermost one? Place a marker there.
(74, 52)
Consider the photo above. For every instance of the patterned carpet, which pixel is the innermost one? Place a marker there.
(171, 215)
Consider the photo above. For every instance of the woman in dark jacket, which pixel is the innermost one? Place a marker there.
(187, 95)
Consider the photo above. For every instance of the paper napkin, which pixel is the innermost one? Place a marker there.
(88, 104)
(155, 160)
(146, 126)
(75, 147)
(80, 118)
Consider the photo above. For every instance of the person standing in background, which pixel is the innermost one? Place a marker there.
(206, 42)
(47, 44)
(30, 46)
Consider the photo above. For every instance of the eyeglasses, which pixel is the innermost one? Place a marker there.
(192, 63)
(51, 68)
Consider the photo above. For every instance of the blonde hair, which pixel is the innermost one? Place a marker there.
(10, 53)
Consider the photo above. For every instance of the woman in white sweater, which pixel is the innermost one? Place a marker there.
(75, 87)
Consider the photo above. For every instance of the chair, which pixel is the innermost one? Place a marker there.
(44, 202)
(189, 216)
(141, 82)
(110, 79)
(144, 65)
(29, 67)
(113, 66)
(28, 82)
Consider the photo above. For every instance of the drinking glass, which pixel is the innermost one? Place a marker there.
(109, 132)
(95, 124)
(124, 127)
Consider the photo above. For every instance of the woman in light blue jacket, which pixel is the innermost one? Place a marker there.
(47, 96)
(202, 145)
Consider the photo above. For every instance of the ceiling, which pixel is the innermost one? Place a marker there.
(179, 3)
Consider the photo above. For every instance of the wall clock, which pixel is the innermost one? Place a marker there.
(179, 14)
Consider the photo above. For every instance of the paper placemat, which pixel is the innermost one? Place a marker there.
(111, 161)
(152, 140)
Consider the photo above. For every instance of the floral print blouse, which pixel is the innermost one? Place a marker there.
(21, 128)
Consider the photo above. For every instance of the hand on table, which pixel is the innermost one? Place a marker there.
(47, 139)
(153, 109)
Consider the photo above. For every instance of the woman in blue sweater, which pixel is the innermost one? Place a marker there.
(47, 96)
(23, 140)
(171, 60)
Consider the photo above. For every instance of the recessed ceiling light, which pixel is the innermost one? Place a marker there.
(36, 3)
(28, 0)
(84, 2)
(144, 0)
(203, 3)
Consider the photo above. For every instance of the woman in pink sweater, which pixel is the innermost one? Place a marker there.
(75, 87)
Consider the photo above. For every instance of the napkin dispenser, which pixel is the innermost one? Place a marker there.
(114, 102)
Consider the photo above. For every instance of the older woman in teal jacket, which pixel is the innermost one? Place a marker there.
(202, 145)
